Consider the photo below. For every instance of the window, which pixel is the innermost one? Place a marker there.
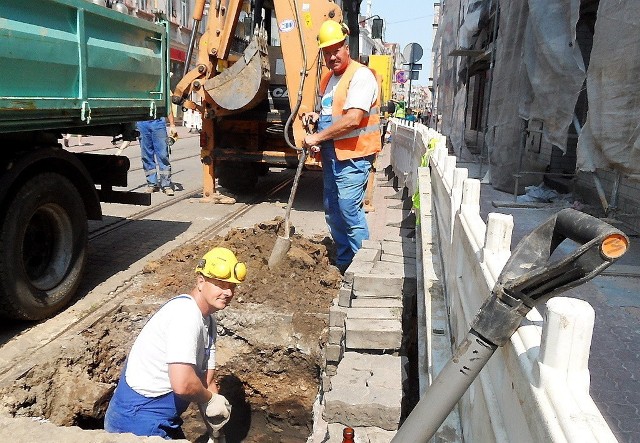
(142, 4)
(184, 13)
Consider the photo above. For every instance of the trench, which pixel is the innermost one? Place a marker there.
(268, 351)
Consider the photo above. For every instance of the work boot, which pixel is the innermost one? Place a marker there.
(151, 189)
(168, 191)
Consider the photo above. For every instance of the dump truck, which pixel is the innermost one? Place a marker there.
(256, 73)
(67, 67)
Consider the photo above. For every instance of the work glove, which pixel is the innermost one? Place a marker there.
(216, 411)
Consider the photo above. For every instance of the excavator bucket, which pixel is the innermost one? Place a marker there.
(243, 85)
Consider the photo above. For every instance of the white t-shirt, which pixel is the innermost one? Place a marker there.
(361, 93)
(177, 333)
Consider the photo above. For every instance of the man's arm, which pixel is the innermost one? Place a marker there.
(210, 381)
(346, 124)
(172, 123)
(186, 383)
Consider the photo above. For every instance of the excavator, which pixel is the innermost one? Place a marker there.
(256, 74)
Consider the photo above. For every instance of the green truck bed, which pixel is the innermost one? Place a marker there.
(72, 63)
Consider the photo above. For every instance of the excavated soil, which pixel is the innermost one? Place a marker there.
(268, 350)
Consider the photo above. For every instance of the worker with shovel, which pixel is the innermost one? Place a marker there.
(348, 136)
(172, 361)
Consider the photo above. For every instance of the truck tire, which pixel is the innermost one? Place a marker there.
(43, 245)
(237, 177)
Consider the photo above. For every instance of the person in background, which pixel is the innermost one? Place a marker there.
(67, 137)
(348, 136)
(155, 153)
(410, 115)
(172, 361)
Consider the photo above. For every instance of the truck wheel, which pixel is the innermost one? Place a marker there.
(237, 177)
(43, 242)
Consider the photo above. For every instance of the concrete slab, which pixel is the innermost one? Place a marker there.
(357, 267)
(367, 255)
(374, 302)
(344, 295)
(378, 334)
(337, 314)
(374, 313)
(407, 261)
(366, 391)
(372, 244)
(403, 249)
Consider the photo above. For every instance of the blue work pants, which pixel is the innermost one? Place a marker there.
(155, 152)
(129, 411)
(344, 184)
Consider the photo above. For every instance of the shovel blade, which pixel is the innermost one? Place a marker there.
(280, 249)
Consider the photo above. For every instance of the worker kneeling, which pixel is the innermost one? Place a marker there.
(172, 361)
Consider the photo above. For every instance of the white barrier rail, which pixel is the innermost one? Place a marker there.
(535, 388)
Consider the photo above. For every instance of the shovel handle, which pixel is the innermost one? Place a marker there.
(294, 187)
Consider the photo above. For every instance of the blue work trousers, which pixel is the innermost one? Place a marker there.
(129, 411)
(344, 184)
(155, 152)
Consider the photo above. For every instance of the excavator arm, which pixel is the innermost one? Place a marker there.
(229, 82)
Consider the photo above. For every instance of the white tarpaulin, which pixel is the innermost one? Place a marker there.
(554, 66)
(469, 28)
(611, 135)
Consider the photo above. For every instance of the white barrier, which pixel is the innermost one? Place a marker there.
(536, 387)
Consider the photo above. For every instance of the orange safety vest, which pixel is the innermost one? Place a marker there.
(365, 139)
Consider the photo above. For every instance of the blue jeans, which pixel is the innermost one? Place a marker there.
(344, 184)
(155, 152)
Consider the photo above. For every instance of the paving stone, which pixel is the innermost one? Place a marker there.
(375, 302)
(337, 314)
(406, 261)
(360, 267)
(374, 313)
(403, 249)
(333, 353)
(382, 285)
(372, 244)
(366, 391)
(336, 334)
(345, 294)
(394, 269)
(379, 334)
(367, 255)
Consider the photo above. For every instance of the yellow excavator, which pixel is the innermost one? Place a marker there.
(256, 74)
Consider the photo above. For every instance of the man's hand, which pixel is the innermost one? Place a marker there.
(309, 120)
(312, 141)
(216, 411)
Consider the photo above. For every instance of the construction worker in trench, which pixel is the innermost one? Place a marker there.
(172, 361)
(348, 135)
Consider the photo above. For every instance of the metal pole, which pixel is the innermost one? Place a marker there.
(447, 389)
(491, 67)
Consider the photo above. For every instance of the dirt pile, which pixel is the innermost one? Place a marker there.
(268, 349)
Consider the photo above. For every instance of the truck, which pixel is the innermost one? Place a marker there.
(67, 67)
(256, 73)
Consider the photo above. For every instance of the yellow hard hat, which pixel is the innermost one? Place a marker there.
(222, 264)
(331, 32)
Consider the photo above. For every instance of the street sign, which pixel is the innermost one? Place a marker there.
(401, 77)
(414, 66)
(414, 75)
(412, 52)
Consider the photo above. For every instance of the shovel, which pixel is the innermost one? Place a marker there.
(283, 244)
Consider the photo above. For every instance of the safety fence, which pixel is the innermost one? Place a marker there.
(536, 387)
